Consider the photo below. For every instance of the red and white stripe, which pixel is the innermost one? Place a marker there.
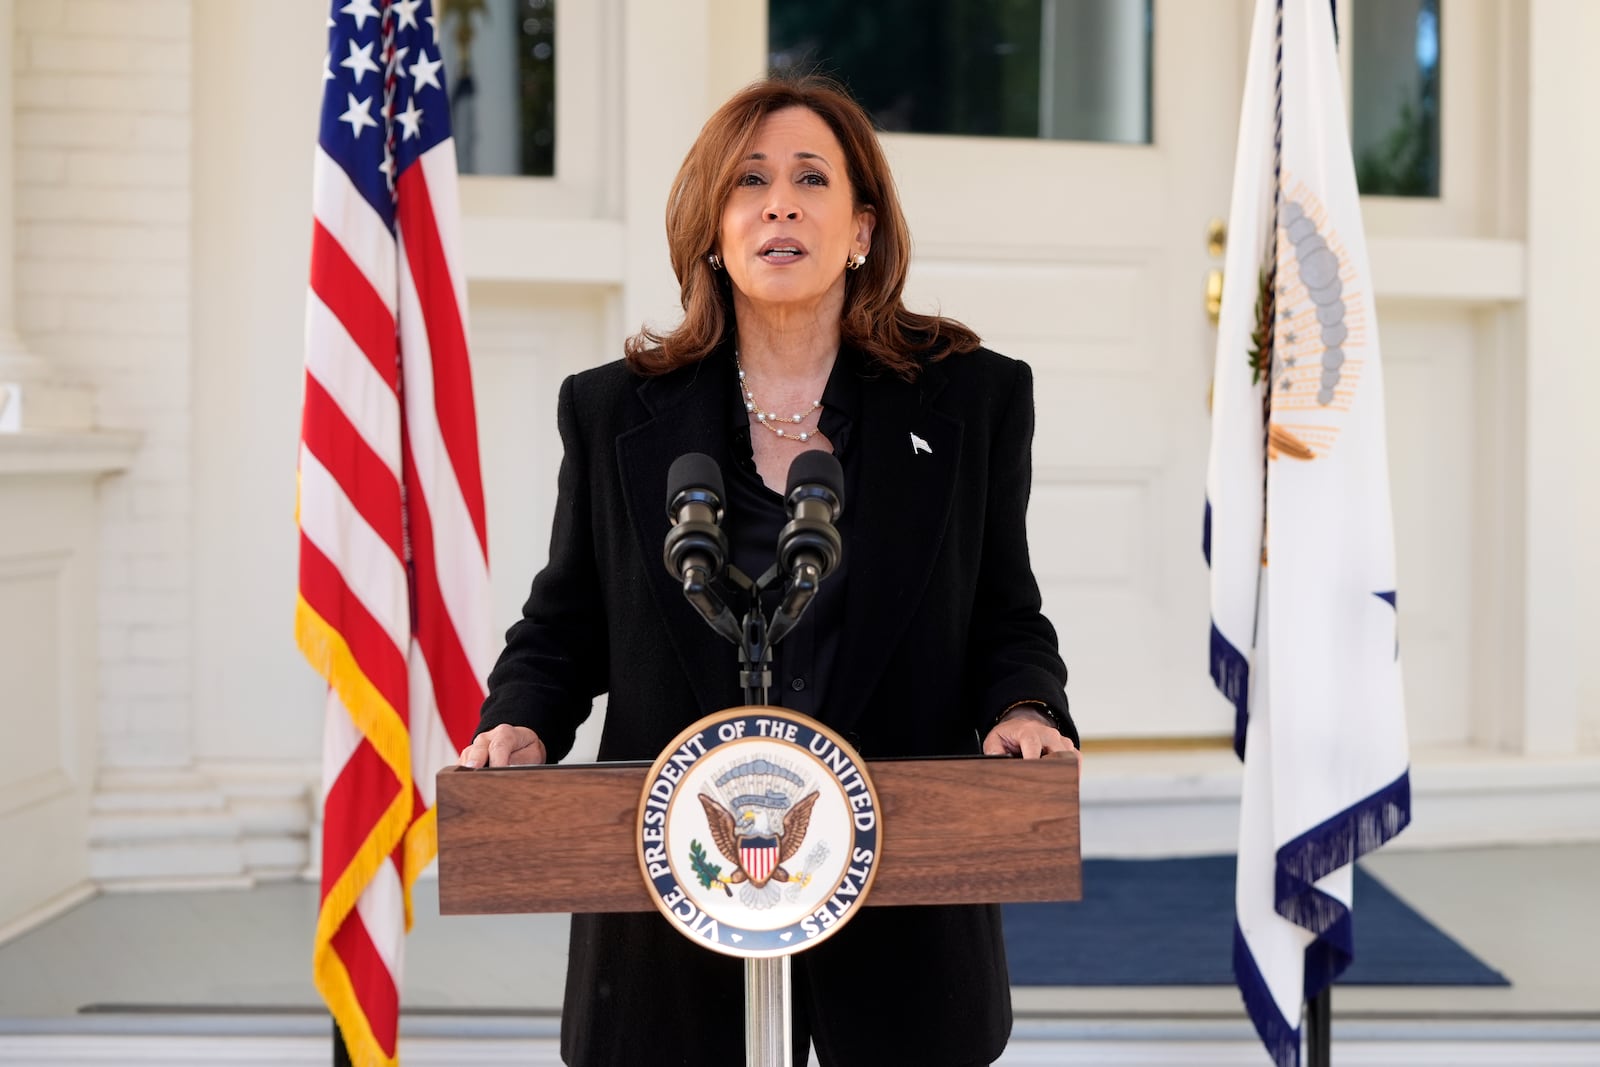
(759, 861)
(394, 579)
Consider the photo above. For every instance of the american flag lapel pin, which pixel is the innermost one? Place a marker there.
(919, 445)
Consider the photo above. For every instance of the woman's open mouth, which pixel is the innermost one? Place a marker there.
(781, 250)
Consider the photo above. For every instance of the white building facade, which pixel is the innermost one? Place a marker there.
(157, 724)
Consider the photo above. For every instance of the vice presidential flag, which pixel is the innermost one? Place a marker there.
(1298, 530)
(394, 581)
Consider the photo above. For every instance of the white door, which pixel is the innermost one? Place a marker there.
(1089, 261)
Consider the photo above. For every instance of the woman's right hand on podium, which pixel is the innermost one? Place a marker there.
(504, 746)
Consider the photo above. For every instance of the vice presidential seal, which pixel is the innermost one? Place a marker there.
(758, 832)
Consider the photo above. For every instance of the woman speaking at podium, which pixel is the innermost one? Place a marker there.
(791, 251)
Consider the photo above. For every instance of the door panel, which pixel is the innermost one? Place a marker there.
(1429, 360)
(1089, 262)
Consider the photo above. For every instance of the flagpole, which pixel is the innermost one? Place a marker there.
(341, 1054)
(1319, 1028)
(1319, 1010)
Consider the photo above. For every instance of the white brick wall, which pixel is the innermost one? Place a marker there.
(103, 119)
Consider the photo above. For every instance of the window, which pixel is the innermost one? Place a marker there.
(1395, 96)
(500, 60)
(1074, 70)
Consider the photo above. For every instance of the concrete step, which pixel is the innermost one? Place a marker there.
(467, 1040)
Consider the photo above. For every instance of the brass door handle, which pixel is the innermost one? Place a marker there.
(1216, 238)
(1216, 245)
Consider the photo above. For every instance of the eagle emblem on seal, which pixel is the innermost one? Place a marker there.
(760, 821)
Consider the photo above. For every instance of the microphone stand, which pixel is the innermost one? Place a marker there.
(768, 1015)
(755, 651)
(768, 1011)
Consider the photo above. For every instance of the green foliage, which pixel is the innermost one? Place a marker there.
(1403, 162)
(1261, 333)
(705, 872)
(536, 78)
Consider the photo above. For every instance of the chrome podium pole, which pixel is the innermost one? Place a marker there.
(768, 1026)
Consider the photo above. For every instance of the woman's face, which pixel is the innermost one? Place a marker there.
(791, 220)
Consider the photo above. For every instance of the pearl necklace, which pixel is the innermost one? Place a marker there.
(771, 419)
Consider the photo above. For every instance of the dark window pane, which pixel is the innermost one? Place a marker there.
(500, 59)
(1058, 69)
(1395, 98)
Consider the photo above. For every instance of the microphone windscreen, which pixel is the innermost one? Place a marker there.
(695, 470)
(816, 468)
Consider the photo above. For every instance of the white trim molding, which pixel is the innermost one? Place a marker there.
(94, 453)
(1187, 803)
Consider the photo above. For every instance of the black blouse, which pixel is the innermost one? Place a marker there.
(754, 514)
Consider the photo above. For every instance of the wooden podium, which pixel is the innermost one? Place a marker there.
(958, 830)
(558, 838)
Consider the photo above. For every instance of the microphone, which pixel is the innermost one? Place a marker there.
(696, 549)
(809, 546)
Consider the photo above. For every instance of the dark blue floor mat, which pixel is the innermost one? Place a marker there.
(1169, 922)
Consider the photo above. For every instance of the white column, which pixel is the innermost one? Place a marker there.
(16, 363)
(1563, 235)
(739, 49)
(681, 61)
(665, 64)
(28, 400)
(1586, 486)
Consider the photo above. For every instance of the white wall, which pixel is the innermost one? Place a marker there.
(102, 244)
(254, 697)
(1429, 359)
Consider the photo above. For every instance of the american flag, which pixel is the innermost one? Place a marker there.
(394, 579)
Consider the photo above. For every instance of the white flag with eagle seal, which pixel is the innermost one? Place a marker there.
(1298, 532)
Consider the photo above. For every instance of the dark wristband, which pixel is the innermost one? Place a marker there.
(1042, 708)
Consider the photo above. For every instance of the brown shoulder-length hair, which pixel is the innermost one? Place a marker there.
(875, 319)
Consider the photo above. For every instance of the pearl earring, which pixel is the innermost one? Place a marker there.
(715, 261)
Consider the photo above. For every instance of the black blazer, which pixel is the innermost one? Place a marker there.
(943, 632)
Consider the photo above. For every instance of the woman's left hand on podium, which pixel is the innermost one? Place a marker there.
(1025, 732)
